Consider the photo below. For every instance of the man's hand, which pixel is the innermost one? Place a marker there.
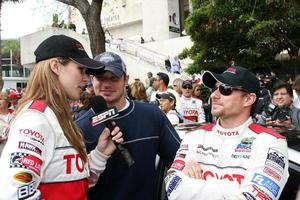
(192, 169)
(106, 140)
(287, 123)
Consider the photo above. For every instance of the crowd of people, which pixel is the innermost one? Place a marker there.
(53, 150)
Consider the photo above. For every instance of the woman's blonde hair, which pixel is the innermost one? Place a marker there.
(138, 91)
(44, 85)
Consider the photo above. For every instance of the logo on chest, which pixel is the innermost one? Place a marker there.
(74, 160)
(245, 145)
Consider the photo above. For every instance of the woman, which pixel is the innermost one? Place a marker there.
(5, 117)
(138, 91)
(45, 156)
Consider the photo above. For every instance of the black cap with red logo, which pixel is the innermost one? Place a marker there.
(65, 47)
(234, 76)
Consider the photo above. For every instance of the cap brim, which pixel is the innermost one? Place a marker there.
(209, 79)
(89, 63)
(116, 71)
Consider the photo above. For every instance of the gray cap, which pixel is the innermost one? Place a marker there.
(112, 62)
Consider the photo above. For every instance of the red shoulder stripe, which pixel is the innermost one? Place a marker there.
(38, 105)
(261, 129)
(207, 127)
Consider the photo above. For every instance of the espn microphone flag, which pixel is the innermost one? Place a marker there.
(104, 116)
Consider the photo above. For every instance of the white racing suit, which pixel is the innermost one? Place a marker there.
(249, 162)
(191, 109)
(38, 162)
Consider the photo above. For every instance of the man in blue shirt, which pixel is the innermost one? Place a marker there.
(146, 132)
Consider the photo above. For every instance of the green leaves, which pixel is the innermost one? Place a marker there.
(250, 32)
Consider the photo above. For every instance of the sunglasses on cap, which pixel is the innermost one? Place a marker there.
(226, 90)
(187, 87)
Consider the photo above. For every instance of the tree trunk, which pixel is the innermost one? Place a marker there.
(91, 14)
(94, 28)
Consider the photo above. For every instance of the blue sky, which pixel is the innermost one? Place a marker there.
(18, 19)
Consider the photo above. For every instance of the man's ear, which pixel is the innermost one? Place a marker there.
(250, 99)
(126, 78)
(55, 66)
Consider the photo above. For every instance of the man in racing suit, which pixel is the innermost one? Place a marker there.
(234, 158)
(190, 108)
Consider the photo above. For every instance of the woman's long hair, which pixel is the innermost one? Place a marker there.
(138, 91)
(44, 85)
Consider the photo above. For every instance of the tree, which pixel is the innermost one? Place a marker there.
(91, 14)
(1, 79)
(248, 32)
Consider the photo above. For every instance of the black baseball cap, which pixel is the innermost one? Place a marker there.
(166, 95)
(187, 83)
(112, 62)
(234, 76)
(65, 47)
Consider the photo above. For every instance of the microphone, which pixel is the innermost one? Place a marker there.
(103, 114)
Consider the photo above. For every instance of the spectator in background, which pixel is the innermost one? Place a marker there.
(167, 102)
(190, 108)
(177, 86)
(142, 40)
(151, 89)
(5, 117)
(197, 92)
(138, 91)
(265, 97)
(281, 112)
(168, 64)
(147, 81)
(296, 92)
(82, 105)
(89, 88)
(162, 82)
(175, 65)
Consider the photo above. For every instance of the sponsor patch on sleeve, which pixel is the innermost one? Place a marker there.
(272, 173)
(26, 161)
(266, 182)
(22, 177)
(173, 184)
(30, 147)
(26, 191)
(248, 196)
(276, 160)
(260, 194)
(178, 164)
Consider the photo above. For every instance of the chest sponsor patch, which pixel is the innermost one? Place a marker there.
(240, 156)
(30, 147)
(275, 160)
(266, 182)
(26, 161)
(207, 151)
(190, 112)
(231, 177)
(245, 145)
(228, 133)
